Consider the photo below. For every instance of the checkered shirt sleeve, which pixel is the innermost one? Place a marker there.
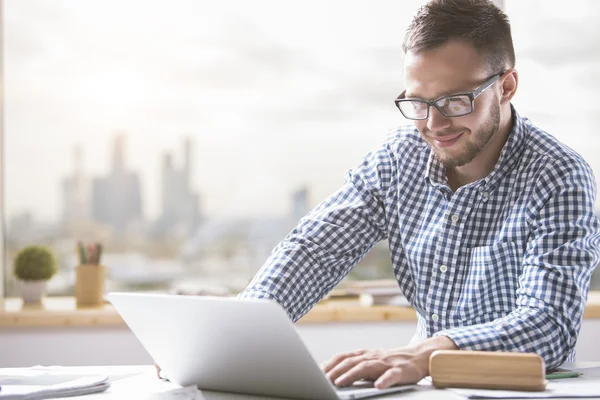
(329, 241)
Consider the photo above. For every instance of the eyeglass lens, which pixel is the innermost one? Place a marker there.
(452, 106)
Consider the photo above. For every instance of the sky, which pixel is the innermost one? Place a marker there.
(274, 94)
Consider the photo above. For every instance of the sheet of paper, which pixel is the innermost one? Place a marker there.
(572, 388)
(588, 372)
(149, 387)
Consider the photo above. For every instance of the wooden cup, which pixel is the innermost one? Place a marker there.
(89, 285)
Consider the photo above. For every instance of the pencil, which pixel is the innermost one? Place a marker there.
(81, 252)
(99, 252)
(562, 375)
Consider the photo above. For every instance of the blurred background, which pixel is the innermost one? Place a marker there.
(189, 136)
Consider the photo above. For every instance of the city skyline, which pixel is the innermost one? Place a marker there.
(104, 199)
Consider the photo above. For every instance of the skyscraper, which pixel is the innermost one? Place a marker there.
(75, 189)
(300, 204)
(180, 204)
(116, 198)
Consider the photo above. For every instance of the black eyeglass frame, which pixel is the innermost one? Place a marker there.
(472, 96)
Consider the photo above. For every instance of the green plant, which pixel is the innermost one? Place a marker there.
(34, 263)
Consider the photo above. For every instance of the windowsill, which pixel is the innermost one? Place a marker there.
(61, 311)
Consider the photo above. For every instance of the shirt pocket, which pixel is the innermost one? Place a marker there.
(490, 283)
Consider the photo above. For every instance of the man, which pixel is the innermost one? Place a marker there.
(490, 221)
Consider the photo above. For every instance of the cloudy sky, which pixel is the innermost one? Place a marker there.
(275, 94)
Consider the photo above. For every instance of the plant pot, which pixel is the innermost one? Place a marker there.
(32, 291)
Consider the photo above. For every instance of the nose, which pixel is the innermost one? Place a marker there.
(436, 120)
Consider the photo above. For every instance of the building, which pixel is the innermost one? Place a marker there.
(180, 210)
(300, 204)
(116, 198)
(75, 191)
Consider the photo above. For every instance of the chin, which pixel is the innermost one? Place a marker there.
(454, 159)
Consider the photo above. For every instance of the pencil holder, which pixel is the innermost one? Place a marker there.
(89, 285)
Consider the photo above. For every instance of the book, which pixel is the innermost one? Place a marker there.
(368, 293)
(382, 296)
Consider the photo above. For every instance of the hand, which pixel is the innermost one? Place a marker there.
(387, 368)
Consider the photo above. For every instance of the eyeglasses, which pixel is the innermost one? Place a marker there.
(455, 105)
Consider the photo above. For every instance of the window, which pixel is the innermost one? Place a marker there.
(188, 137)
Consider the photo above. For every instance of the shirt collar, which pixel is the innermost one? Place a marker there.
(435, 172)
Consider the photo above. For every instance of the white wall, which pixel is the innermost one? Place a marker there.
(118, 346)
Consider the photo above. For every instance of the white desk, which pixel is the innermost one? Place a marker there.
(139, 382)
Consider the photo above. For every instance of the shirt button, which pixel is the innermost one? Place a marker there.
(454, 218)
(485, 196)
(435, 317)
(443, 268)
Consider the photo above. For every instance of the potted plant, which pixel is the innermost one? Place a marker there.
(33, 266)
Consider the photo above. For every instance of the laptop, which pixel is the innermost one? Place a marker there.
(230, 345)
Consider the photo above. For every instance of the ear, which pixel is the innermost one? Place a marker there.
(508, 86)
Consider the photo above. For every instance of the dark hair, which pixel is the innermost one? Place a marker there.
(479, 22)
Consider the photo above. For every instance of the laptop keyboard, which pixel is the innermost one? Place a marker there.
(356, 386)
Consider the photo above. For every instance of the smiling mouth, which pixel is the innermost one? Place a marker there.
(444, 141)
(446, 138)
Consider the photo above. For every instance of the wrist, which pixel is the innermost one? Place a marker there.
(436, 343)
(424, 349)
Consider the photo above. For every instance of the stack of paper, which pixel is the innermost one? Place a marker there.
(47, 385)
(585, 386)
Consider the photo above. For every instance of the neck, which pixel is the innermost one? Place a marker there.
(485, 161)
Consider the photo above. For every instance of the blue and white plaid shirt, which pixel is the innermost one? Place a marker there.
(502, 264)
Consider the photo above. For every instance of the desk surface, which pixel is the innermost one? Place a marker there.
(142, 379)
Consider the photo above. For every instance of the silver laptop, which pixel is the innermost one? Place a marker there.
(230, 345)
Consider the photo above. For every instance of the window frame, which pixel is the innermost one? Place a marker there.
(3, 268)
